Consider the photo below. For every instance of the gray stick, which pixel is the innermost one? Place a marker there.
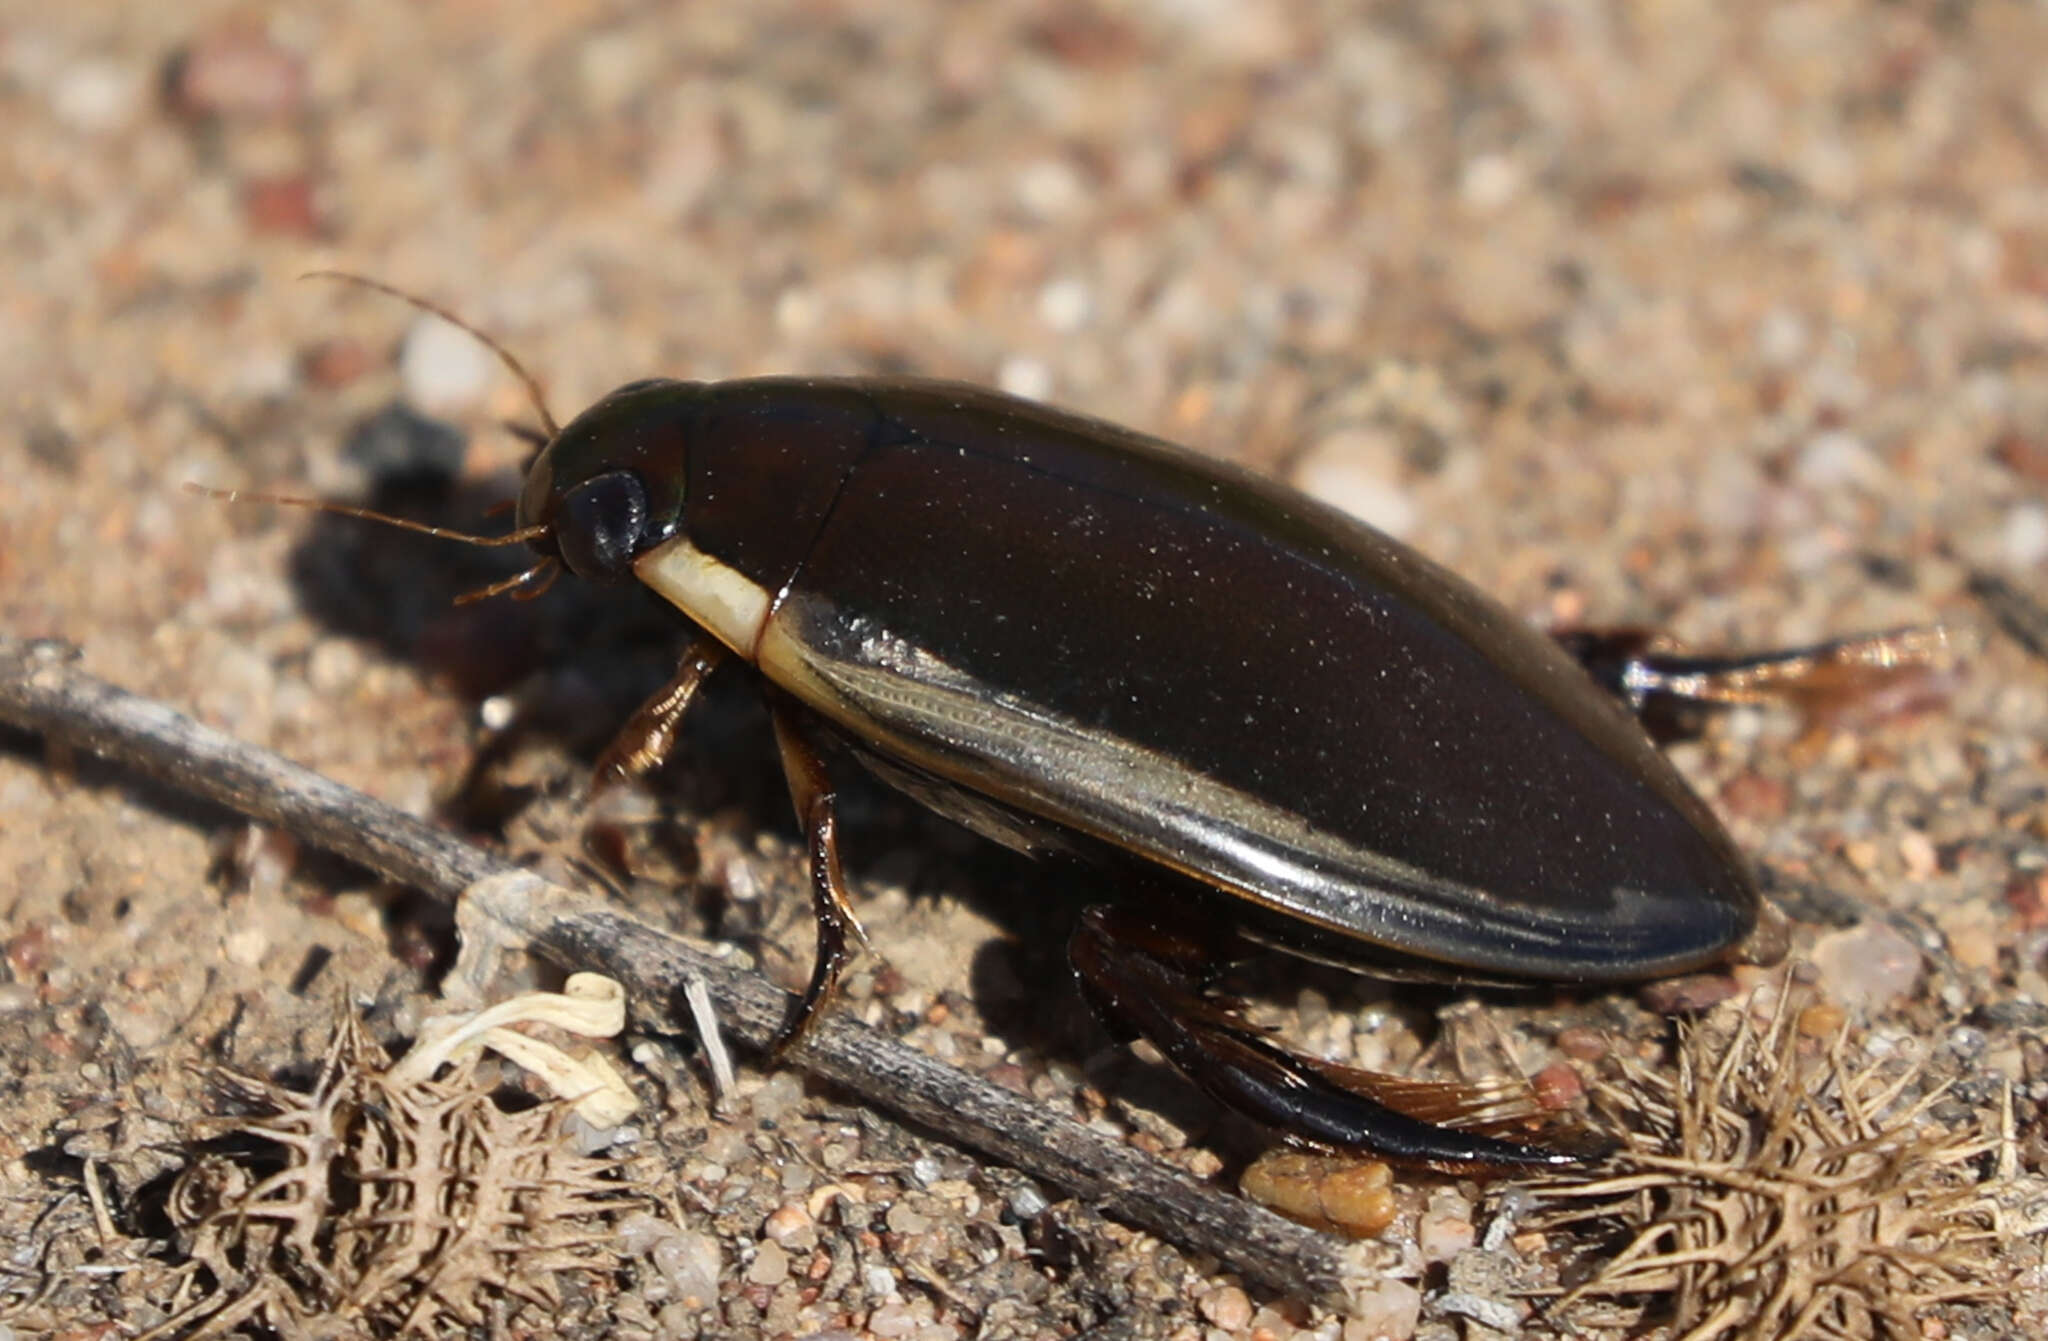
(41, 690)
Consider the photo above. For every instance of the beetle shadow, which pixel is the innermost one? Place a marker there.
(403, 593)
(573, 660)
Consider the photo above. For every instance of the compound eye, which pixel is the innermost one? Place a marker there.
(598, 525)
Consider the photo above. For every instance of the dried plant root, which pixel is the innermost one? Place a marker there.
(1767, 1190)
(393, 1201)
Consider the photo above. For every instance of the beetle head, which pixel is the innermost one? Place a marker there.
(609, 486)
(602, 491)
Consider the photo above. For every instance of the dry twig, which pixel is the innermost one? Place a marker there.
(42, 691)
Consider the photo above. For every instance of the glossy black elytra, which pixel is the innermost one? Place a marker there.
(1291, 731)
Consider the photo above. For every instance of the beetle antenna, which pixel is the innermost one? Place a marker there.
(505, 356)
(547, 570)
(526, 433)
(518, 537)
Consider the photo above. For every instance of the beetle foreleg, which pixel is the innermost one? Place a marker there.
(650, 733)
(1140, 978)
(810, 788)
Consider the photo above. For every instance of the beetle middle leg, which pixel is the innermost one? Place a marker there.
(817, 810)
(650, 733)
(1145, 980)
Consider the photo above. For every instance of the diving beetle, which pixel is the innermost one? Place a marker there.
(1281, 728)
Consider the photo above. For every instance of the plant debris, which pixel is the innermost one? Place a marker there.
(1774, 1184)
(387, 1202)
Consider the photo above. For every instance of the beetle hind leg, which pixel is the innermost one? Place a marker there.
(1660, 682)
(1143, 979)
(817, 810)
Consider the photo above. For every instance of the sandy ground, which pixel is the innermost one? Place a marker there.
(1730, 319)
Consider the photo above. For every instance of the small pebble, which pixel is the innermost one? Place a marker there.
(96, 96)
(246, 946)
(2027, 896)
(1358, 470)
(1834, 459)
(442, 367)
(1753, 796)
(142, 1023)
(791, 1226)
(1445, 1229)
(236, 70)
(904, 1219)
(779, 1096)
(893, 1319)
(688, 1263)
(1688, 995)
(1025, 1202)
(333, 364)
(770, 1265)
(360, 913)
(285, 206)
(498, 712)
(1386, 1310)
(334, 667)
(2025, 456)
(1780, 337)
(1490, 181)
(1049, 187)
(1821, 1020)
(1916, 850)
(1026, 377)
(1557, 1086)
(266, 373)
(610, 66)
(1065, 305)
(29, 952)
(1227, 1307)
(1867, 967)
(1585, 1045)
(1972, 933)
(1354, 1196)
(2024, 537)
